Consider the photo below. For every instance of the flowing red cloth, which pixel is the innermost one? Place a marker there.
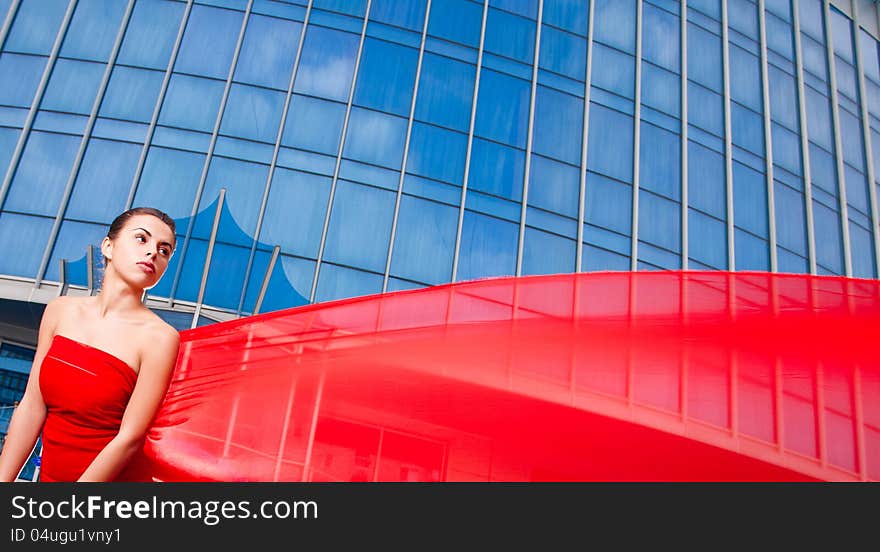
(86, 391)
(647, 376)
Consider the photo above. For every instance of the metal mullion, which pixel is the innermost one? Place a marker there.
(158, 107)
(409, 125)
(637, 115)
(209, 154)
(582, 184)
(838, 146)
(7, 22)
(768, 139)
(866, 138)
(470, 142)
(35, 104)
(728, 137)
(332, 195)
(684, 137)
(805, 140)
(87, 134)
(529, 142)
(273, 163)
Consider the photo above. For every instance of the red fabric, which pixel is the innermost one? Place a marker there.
(616, 376)
(86, 391)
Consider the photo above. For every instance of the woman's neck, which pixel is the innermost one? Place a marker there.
(117, 298)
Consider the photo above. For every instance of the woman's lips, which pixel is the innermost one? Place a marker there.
(148, 267)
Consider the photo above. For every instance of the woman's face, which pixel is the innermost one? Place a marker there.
(141, 251)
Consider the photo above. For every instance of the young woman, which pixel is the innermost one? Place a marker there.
(102, 365)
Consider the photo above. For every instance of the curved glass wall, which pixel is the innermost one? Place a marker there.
(394, 144)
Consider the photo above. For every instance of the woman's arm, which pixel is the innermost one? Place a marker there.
(153, 378)
(27, 420)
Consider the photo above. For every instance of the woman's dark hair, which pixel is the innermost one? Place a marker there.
(119, 221)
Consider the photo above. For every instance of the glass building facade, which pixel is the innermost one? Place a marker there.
(377, 145)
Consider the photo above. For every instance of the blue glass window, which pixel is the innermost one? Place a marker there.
(510, 35)
(525, 8)
(707, 240)
(360, 226)
(209, 42)
(267, 52)
(868, 54)
(814, 57)
(106, 172)
(437, 153)
(751, 253)
(445, 92)
(545, 253)
(660, 37)
(131, 94)
(783, 97)
(554, 186)
(791, 225)
(35, 26)
(596, 258)
(659, 221)
(375, 138)
(253, 113)
(72, 245)
(336, 282)
(706, 180)
(743, 16)
(704, 57)
(856, 189)
(424, 241)
(386, 77)
(295, 212)
(823, 169)
(409, 14)
(748, 128)
(503, 108)
(563, 53)
(20, 76)
(818, 118)
(558, 125)
(786, 148)
(42, 173)
(841, 32)
(326, 65)
(570, 15)
(745, 78)
(151, 32)
(289, 284)
(226, 276)
(862, 246)
(810, 13)
(709, 7)
(660, 89)
(705, 109)
(169, 181)
(779, 36)
(615, 23)
(456, 20)
(851, 139)
(497, 169)
(829, 250)
(613, 71)
(660, 161)
(191, 103)
(488, 247)
(351, 7)
(73, 86)
(8, 139)
(244, 183)
(22, 239)
(93, 30)
(313, 124)
(608, 204)
(610, 149)
(749, 200)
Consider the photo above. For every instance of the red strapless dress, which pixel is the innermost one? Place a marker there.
(86, 391)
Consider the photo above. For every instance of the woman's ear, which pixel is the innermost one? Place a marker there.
(107, 248)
